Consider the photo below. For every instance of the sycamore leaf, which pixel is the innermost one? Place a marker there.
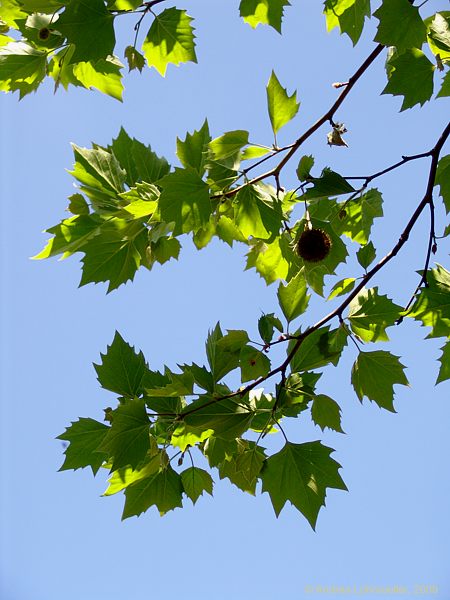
(305, 165)
(411, 76)
(374, 375)
(70, 236)
(256, 214)
(84, 437)
(328, 184)
(432, 304)
(266, 325)
(103, 74)
(163, 490)
(244, 467)
(134, 58)
(226, 417)
(444, 371)
(253, 363)
(445, 88)
(12, 12)
(366, 255)
(138, 161)
(196, 481)
(325, 412)
(293, 298)
(229, 144)
(22, 67)
(115, 255)
(170, 40)
(342, 287)
(192, 152)
(318, 349)
(442, 179)
(222, 358)
(370, 314)
(400, 25)
(184, 200)
(356, 218)
(122, 369)
(84, 21)
(300, 474)
(266, 12)
(439, 34)
(122, 478)
(274, 260)
(348, 15)
(282, 107)
(217, 450)
(127, 440)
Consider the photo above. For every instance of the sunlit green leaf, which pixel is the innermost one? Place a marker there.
(282, 107)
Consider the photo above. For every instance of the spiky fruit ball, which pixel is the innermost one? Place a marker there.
(44, 33)
(314, 245)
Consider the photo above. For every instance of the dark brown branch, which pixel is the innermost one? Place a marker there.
(326, 118)
(337, 312)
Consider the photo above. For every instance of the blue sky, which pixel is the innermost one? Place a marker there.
(60, 539)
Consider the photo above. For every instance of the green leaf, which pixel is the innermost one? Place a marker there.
(22, 67)
(325, 412)
(38, 6)
(163, 490)
(293, 298)
(84, 437)
(229, 144)
(366, 255)
(244, 467)
(305, 165)
(122, 369)
(445, 88)
(255, 152)
(256, 214)
(328, 184)
(411, 76)
(100, 174)
(115, 255)
(400, 25)
(442, 179)
(266, 325)
(192, 152)
(170, 40)
(348, 15)
(282, 107)
(342, 287)
(274, 260)
(128, 439)
(134, 58)
(138, 161)
(84, 21)
(78, 205)
(432, 304)
(439, 34)
(444, 371)
(124, 477)
(196, 481)
(221, 359)
(227, 417)
(356, 218)
(105, 75)
(370, 314)
(266, 12)
(253, 363)
(318, 349)
(297, 393)
(12, 12)
(374, 375)
(300, 474)
(70, 236)
(185, 200)
(217, 450)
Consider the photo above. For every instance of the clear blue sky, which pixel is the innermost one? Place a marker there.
(60, 539)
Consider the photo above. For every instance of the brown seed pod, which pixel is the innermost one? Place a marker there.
(44, 33)
(314, 245)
